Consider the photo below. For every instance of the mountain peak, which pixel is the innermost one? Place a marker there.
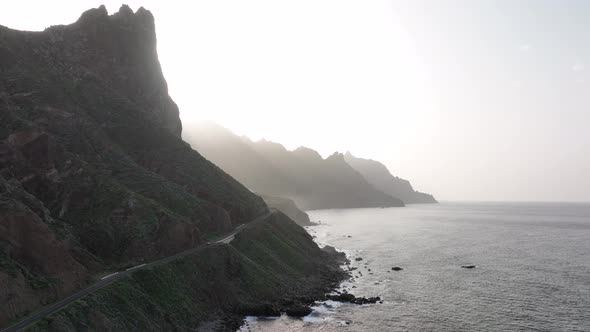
(121, 51)
(93, 15)
(336, 156)
(125, 10)
(303, 151)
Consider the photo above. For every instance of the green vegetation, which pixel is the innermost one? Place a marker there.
(274, 262)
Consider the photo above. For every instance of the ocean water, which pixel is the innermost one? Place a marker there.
(532, 274)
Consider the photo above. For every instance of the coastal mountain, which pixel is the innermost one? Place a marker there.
(289, 208)
(301, 175)
(379, 176)
(94, 178)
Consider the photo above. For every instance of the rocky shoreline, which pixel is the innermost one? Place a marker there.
(335, 292)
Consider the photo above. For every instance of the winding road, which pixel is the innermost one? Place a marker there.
(111, 278)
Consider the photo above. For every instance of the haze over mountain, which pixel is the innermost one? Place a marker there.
(94, 179)
(301, 175)
(289, 208)
(379, 176)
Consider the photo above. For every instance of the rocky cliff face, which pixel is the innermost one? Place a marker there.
(379, 176)
(93, 173)
(301, 175)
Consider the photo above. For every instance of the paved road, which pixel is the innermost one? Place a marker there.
(111, 278)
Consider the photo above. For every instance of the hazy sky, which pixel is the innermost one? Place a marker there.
(470, 100)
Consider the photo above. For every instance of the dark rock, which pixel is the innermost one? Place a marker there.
(262, 310)
(340, 257)
(358, 259)
(298, 311)
(353, 299)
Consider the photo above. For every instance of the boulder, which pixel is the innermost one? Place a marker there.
(298, 311)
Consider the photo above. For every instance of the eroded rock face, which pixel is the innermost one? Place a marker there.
(122, 51)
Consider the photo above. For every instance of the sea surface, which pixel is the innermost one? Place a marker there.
(532, 269)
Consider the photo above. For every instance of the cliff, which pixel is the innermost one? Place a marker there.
(289, 208)
(379, 176)
(301, 175)
(94, 176)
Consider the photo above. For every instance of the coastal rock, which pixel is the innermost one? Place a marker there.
(298, 311)
(260, 310)
(338, 256)
(350, 298)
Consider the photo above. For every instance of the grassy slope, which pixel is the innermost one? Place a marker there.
(274, 263)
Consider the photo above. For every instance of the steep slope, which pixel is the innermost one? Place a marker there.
(301, 175)
(237, 156)
(289, 208)
(379, 176)
(268, 268)
(93, 173)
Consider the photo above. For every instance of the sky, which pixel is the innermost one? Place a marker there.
(469, 100)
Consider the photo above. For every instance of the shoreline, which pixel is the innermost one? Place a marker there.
(333, 298)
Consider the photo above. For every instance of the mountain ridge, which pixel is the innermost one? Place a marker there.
(301, 175)
(379, 176)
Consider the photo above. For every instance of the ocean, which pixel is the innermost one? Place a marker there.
(532, 268)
